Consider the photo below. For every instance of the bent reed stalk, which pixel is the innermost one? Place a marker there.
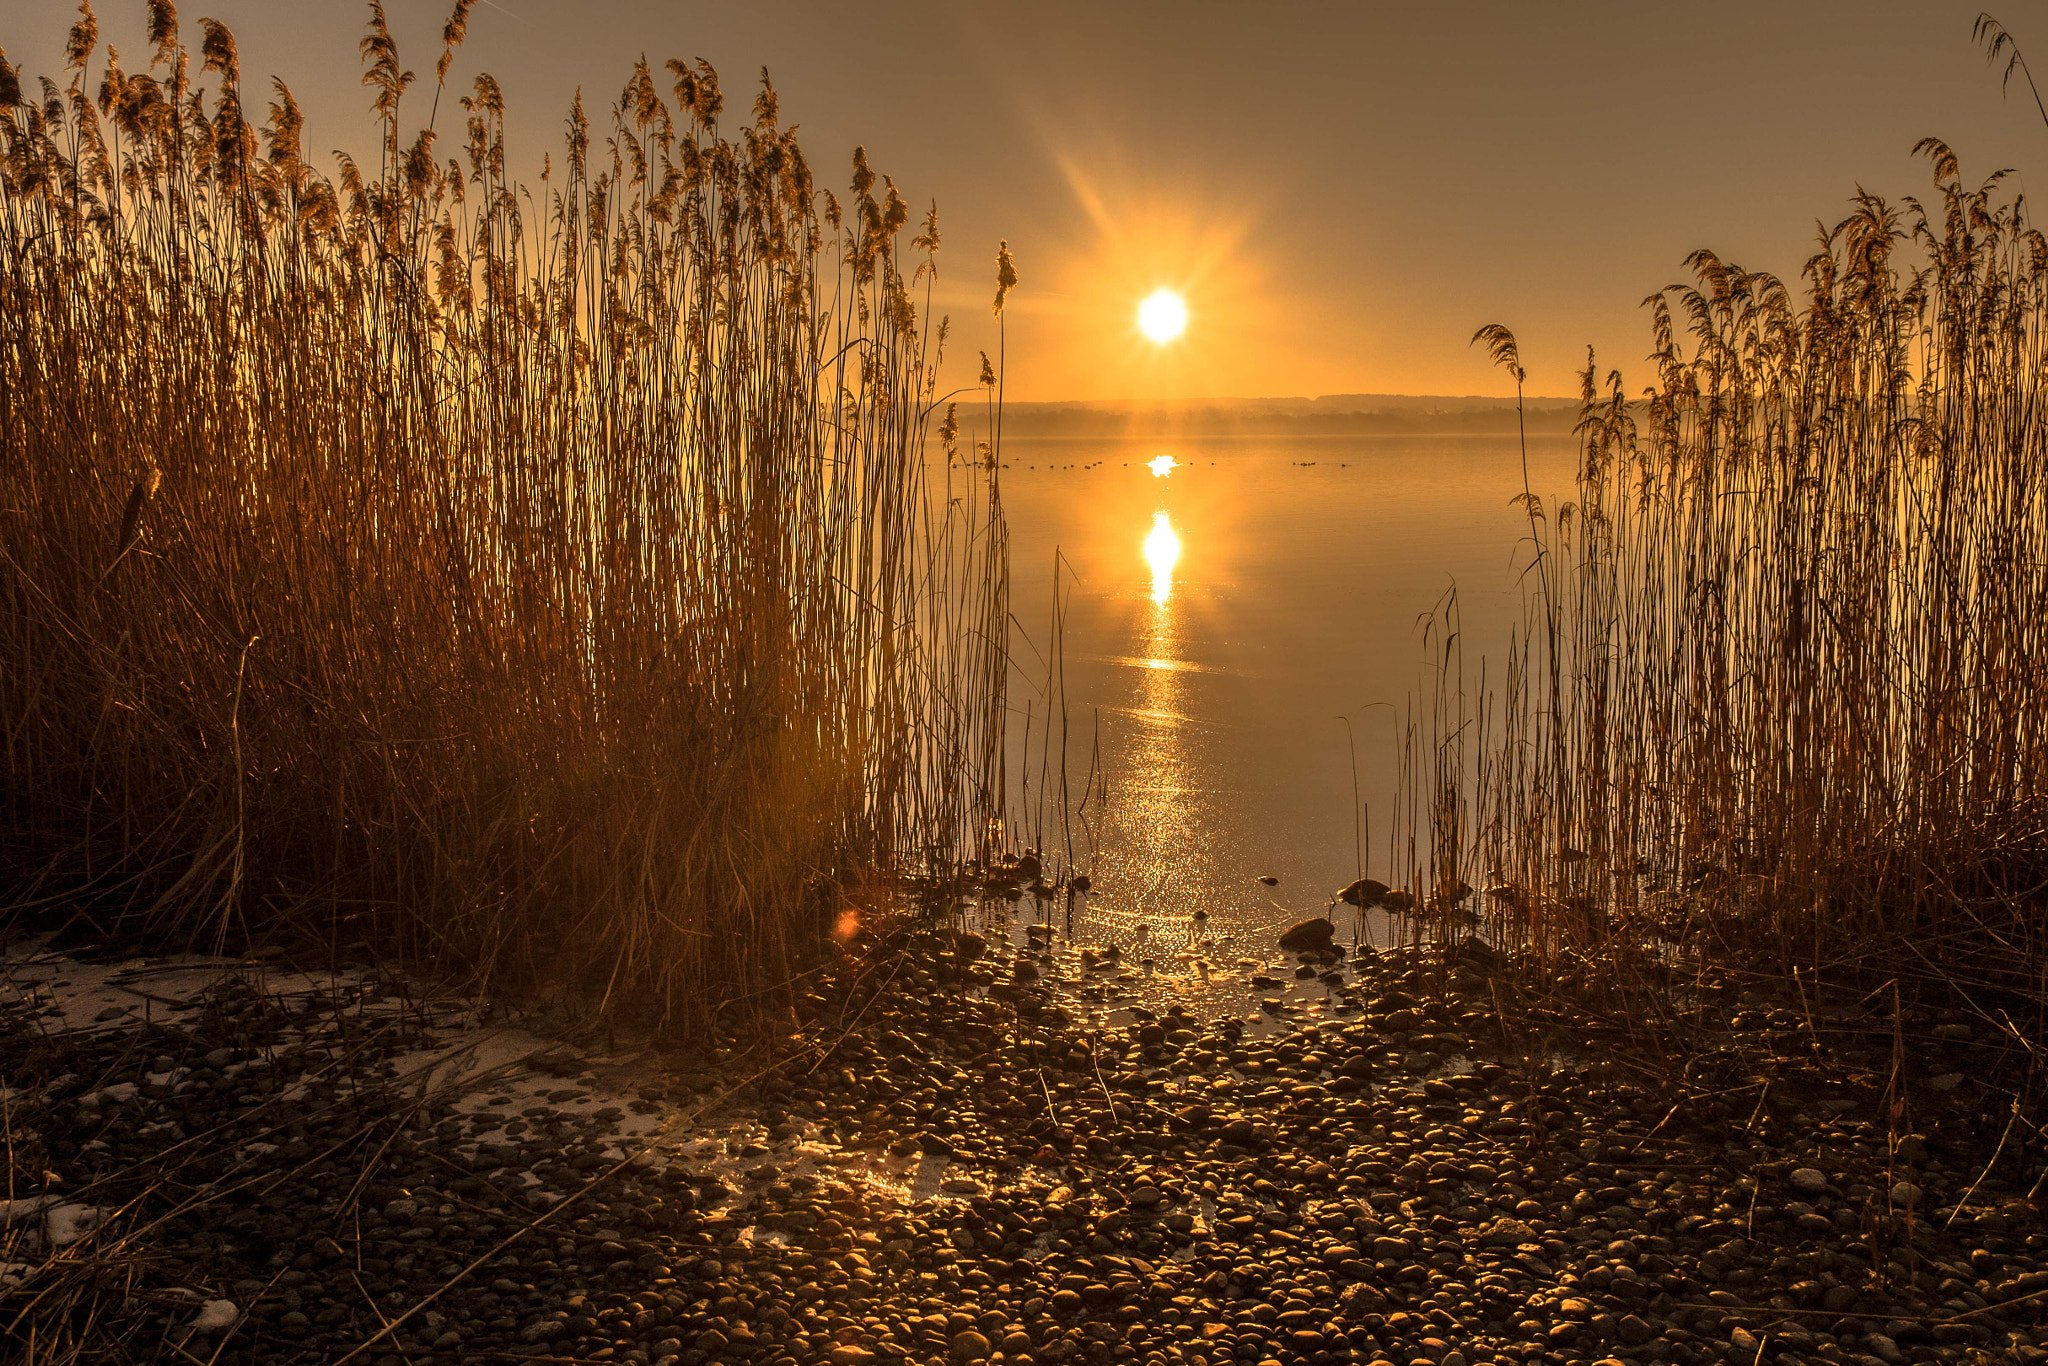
(543, 582)
(1778, 697)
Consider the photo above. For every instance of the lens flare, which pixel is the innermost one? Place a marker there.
(1162, 552)
(1163, 316)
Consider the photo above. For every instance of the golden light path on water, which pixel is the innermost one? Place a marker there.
(1220, 623)
(1163, 827)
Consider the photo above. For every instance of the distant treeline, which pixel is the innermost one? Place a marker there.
(1375, 415)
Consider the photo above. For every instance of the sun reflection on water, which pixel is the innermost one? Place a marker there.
(1162, 552)
(1159, 815)
(1162, 465)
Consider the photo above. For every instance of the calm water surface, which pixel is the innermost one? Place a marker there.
(1227, 602)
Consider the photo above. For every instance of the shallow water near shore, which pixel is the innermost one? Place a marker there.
(1228, 605)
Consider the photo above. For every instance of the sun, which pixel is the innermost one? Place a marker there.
(1163, 316)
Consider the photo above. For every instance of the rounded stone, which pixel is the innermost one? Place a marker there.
(1808, 1182)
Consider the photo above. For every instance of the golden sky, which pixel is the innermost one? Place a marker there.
(1342, 193)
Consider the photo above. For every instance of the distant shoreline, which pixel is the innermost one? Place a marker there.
(1211, 422)
(1330, 415)
(1447, 432)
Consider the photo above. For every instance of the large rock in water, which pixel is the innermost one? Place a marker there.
(1364, 893)
(1309, 934)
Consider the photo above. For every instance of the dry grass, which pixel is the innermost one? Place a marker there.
(1778, 697)
(543, 580)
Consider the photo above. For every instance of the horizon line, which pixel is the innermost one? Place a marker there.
(1508, 399)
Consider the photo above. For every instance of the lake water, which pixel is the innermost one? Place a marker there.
(1228, 602)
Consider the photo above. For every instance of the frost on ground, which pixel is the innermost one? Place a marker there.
(214, 1315)
(226, 1126)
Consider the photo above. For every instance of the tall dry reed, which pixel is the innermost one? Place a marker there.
(542, 578)
(1779, 694)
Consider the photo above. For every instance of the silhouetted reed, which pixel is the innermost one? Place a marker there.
(1779, 695)
(541, 579)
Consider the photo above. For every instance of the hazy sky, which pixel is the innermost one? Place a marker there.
(1342, 192)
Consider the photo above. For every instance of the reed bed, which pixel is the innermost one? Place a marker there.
(546, 581)
(1778, 699)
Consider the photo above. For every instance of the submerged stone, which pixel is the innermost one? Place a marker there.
(1309, 934)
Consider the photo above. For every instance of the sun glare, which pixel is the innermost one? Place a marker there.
(1162, 465)
(1163, 316)
(1162, 552)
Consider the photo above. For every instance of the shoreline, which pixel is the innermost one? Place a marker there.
(940, 1168)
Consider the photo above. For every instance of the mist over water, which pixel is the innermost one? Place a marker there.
(1226, 601)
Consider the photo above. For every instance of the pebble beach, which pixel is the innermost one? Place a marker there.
(935, 1160)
